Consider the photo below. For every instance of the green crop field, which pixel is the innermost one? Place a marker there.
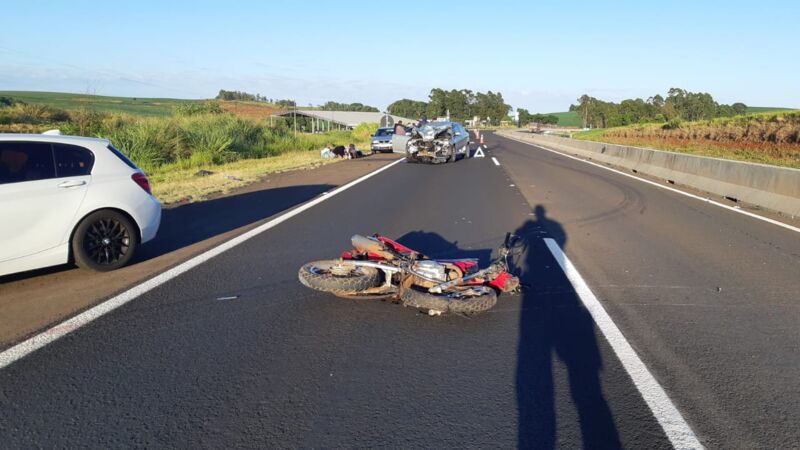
(765, 109)
(568, 119)
(130, 105)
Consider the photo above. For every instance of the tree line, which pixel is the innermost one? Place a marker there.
(679, 105)
(288, 103)
(462, 104)
(334, 106)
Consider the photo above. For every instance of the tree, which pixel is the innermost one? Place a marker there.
(408, 108)
(739, 108)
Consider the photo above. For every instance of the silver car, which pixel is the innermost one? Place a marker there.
(382, 140)
(437, 142)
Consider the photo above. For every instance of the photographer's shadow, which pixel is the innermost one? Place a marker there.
(554, 322)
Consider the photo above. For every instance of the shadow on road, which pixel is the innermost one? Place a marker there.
(434, 245)
(188, 224)
(553, 322)
(191, 223)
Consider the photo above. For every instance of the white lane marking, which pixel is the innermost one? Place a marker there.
(678, 191)
(496, 162)
(52, 334)
(675, 427)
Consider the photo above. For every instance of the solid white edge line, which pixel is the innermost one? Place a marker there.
(678, 191)
(496, 162)
(52, 334)
(675, 427)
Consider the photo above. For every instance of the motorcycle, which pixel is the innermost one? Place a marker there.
(378, 267)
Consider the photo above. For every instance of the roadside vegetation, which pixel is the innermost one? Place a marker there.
(195, 137)
(679, 105)
(767, 138)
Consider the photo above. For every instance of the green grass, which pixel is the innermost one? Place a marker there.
(152, 107)
(568, 119)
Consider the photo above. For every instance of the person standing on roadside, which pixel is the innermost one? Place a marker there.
(399, 129)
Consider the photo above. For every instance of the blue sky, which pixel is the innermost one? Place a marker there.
(540, 55)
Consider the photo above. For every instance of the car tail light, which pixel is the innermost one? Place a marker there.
(142, 181)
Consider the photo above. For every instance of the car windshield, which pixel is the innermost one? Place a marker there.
(384, 132)
(435, 127)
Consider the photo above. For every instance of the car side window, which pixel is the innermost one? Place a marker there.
(26, 161)
(72, 160)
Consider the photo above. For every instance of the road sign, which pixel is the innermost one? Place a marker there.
(387, 121)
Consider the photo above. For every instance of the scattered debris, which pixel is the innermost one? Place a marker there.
(231, 177)
(719, 289)
(203, 173)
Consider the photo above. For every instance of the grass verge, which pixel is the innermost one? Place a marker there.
(174, 185)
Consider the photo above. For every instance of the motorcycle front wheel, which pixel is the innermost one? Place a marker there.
(450, 302)
(338, 277)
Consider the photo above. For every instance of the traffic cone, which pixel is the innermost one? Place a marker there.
(482, 141)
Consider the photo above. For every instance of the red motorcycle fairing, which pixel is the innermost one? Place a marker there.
(505, 282)
(466, 265)
(370, 256)
(396, 246)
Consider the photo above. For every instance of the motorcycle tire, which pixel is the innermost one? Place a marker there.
(316, 275)
(445, 303)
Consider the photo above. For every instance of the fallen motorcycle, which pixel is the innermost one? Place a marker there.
(379, 267)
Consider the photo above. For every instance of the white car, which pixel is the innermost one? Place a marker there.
(68, 198)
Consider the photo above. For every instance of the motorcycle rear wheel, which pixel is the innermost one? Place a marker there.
(334, 276)
(450, 302)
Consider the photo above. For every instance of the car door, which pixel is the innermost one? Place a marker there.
(461, 138)
(399, 142)
(39, 203)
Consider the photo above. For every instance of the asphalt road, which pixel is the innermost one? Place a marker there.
(708, 298)
(31, 301)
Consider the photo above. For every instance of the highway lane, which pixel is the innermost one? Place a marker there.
(282, 366)
(31, 301)
(710, 298)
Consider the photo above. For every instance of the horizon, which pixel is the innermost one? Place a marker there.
(278, 51)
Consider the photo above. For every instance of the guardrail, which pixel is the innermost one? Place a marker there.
(768, 187)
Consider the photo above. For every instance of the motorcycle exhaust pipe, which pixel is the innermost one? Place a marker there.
(365, 244)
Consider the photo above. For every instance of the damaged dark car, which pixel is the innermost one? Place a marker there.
(438, 142)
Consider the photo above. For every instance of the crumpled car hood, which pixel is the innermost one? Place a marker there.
(430, 132)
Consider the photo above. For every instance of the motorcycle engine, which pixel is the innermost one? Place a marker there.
(431, 269)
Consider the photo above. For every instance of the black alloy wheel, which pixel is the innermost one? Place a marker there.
(104, 240)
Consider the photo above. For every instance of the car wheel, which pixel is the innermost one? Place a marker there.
(104, 240)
